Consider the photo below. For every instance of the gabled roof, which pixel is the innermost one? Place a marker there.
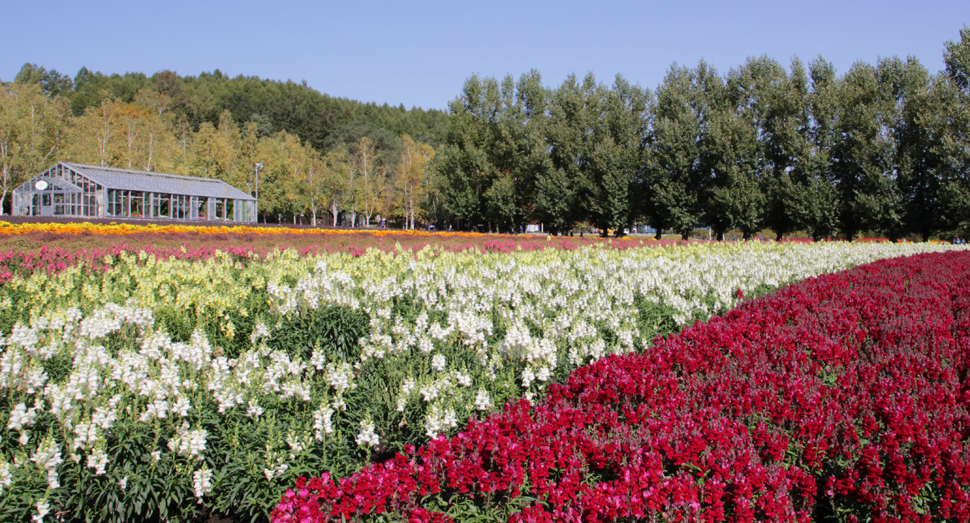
(63, 185)
(129, 180)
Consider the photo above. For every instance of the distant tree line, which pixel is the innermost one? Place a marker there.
(881, 149)
(320, 155)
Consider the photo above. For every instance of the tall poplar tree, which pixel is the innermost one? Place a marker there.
(951, 101)
(464, 161)
(411, 178)
(675, 180)
(862, 155)
(618, 155)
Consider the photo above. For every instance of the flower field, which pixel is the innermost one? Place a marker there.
(169, 385)
(842, 398)
(31, 236)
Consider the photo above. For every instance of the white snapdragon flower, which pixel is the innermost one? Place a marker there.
(248, 368)
(21, 417)
(189, 442)
(98, 460)
(341, 377)
(156, 409)
(482, 401)
(322, 422)
(543, 374)
(254, 411)
(182, 406)
(318, 359)
(367, 435)
(35, 379)
(155, 345)
(43, 508)
(228, 397)
(105, 418)
(12, 365)
(438, 362)
(296, 444)
(6, 477)
(339, 404)
(425, 345)
(277, 470)
(438, 421)
(407, 387)
(527, 377)
(194, 444)
(293, 387)
(260, 331)
(87, 435)
(24, 337)
(429, 392)
(202, 482)
(597, 349)
(48, 456)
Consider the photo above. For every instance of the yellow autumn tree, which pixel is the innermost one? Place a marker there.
(411, 178)
(216, 152)
(96, 136)
(31, 133)
(370, 179)
(159, 148)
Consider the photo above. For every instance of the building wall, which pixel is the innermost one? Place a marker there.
(71, 194)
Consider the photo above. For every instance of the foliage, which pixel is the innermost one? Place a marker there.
(834, 399)
(137, 385)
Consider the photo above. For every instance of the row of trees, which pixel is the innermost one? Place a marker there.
(882, 148)
(364, 171)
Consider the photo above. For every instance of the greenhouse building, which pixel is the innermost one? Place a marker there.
(85, 191)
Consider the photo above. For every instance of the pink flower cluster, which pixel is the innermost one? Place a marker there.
(55, 260)
(844, 397)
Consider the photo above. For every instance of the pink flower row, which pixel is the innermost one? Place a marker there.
(55, 260)
(843, 397)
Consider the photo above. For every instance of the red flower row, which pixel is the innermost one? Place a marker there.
(843, 397)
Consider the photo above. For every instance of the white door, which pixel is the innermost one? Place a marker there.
(46, 205)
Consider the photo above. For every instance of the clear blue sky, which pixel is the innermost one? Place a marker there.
(419, 53)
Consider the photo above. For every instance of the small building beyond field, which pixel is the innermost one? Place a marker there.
(86, 191)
